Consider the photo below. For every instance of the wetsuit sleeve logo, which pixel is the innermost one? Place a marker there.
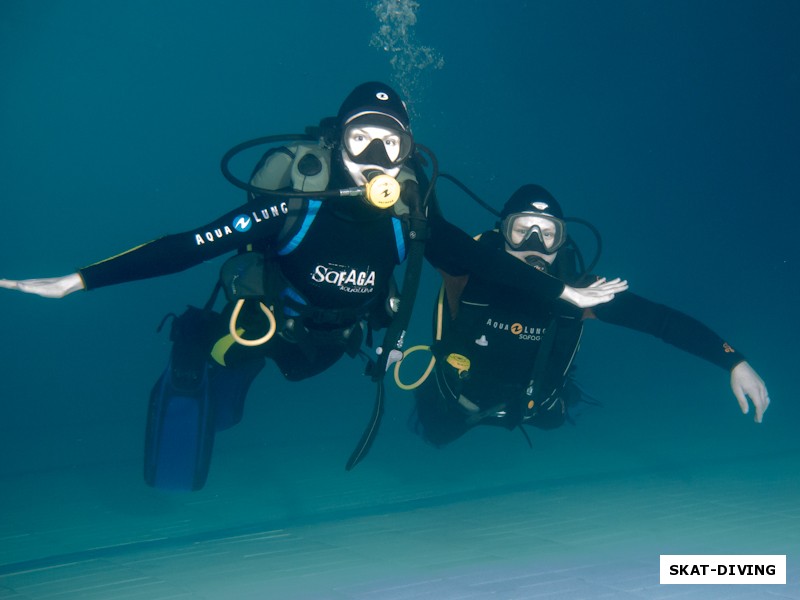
(242, 223)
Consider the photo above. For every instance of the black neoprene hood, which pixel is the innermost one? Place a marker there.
(376, 98)
(521, 201)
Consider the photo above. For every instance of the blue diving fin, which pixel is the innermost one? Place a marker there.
(180, 433)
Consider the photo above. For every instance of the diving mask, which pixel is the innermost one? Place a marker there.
(534, 232)
(376, 139)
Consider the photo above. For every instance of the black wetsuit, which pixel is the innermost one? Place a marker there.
(503, 336)
(336, 254)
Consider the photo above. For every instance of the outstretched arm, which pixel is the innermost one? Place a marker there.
(260, 219)
(692, 336)
(48, 287)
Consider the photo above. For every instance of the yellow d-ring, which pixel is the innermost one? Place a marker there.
(245, 342)
(419, 381)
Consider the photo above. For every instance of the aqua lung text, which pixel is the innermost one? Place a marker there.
(242, 223)
(523, 331)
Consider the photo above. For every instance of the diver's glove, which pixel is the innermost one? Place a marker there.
(745, 384)
(599, 292)
(48, 287)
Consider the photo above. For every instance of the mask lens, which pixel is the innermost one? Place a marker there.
(391, 144)
(356, 141)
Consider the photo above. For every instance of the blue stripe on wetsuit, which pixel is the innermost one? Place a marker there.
(290, 293)
(311, 213)
(400, 240)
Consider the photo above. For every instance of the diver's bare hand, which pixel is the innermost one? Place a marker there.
(746, 383)
(599, 292)
(48, 287)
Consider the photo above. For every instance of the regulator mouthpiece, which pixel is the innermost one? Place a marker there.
(382, 191)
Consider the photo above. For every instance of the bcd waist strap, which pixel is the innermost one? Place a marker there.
(313, 315)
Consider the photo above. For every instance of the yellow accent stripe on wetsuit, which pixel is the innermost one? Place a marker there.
(100, 262)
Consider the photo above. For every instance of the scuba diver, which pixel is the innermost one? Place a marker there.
(327, 220)
(500, 359)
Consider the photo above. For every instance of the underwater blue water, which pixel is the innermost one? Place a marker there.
(673, 127)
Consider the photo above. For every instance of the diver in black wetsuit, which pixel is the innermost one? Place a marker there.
(323, 274)
(503, 360)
